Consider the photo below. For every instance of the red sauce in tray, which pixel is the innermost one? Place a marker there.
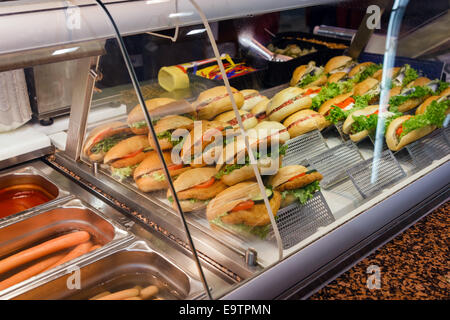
(19, 198)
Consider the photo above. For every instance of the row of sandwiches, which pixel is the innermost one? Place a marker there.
(348, 92)
(129, 150)
(342, 90)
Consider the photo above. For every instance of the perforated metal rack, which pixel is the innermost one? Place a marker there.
(296, 222)
(389, 172)
(431, 147)
(447, 133)
(338, 127)
(306, 145)
(372, 139)
(333, 163)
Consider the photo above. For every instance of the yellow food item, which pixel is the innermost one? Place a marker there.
(172, 78)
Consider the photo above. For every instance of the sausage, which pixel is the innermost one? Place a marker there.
(120, 295)
(100, 295)
(29, 272)
(43, 249)
(149, 292)
(133, 298)
(97, 246)
(79, 250)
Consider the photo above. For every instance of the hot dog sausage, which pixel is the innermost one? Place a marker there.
(79, 250)
(120, 295)
(29, 272)
(43, 249)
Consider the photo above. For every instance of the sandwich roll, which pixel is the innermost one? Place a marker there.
(233, 166)
(444, 96)
(251, 99)
(419, 82)
(270, 128)
(364, 86)
(101, 139)
(393, 72)
(164, 128)
(417, 99)
(337, 77)
(215, 101)
(248, 119)
(421, 109)
(136, 118)
(259, 110)
(150, 176)
(195, 187)
(359, 68)
(304, 121)
(348, 123)
(394, 130)
(339, 64)
(314, 76)
(242, 204)
(345, 101)
(201, 136)
(395, 91)
(287, 102)
(127, 152)
(292, 178)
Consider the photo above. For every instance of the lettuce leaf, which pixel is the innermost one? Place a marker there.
(123, 173)
(442, 86)
(139, 124)
(370, 122)
(159, 176)
(337, 114)
(330, 91)
(434, 115)
(366, 73)
(168, 135)
(418, 92)
(410, 75)
(303, 195)
(106, 144)
(308, 79)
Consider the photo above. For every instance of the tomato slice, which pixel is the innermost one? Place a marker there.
(345, 103)
(297, 176)
(175, 166)
(311, 91)
(399, 131)
(243, 206)
(131, 155)
(206, 184)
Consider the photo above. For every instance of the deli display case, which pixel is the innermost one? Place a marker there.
(195, 149)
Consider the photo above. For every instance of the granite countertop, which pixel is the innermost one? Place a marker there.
(413, 265)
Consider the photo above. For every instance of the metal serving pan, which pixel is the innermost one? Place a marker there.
(30, 175)
(122, 267)
(20, 234)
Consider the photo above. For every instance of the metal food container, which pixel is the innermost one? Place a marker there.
(20, 234)
(126, 266)
(31, 176)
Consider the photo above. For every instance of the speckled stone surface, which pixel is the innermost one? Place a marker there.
(414, 265)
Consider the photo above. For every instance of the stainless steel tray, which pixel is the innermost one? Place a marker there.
(30, 175)
(41, 225)
(124, 266)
